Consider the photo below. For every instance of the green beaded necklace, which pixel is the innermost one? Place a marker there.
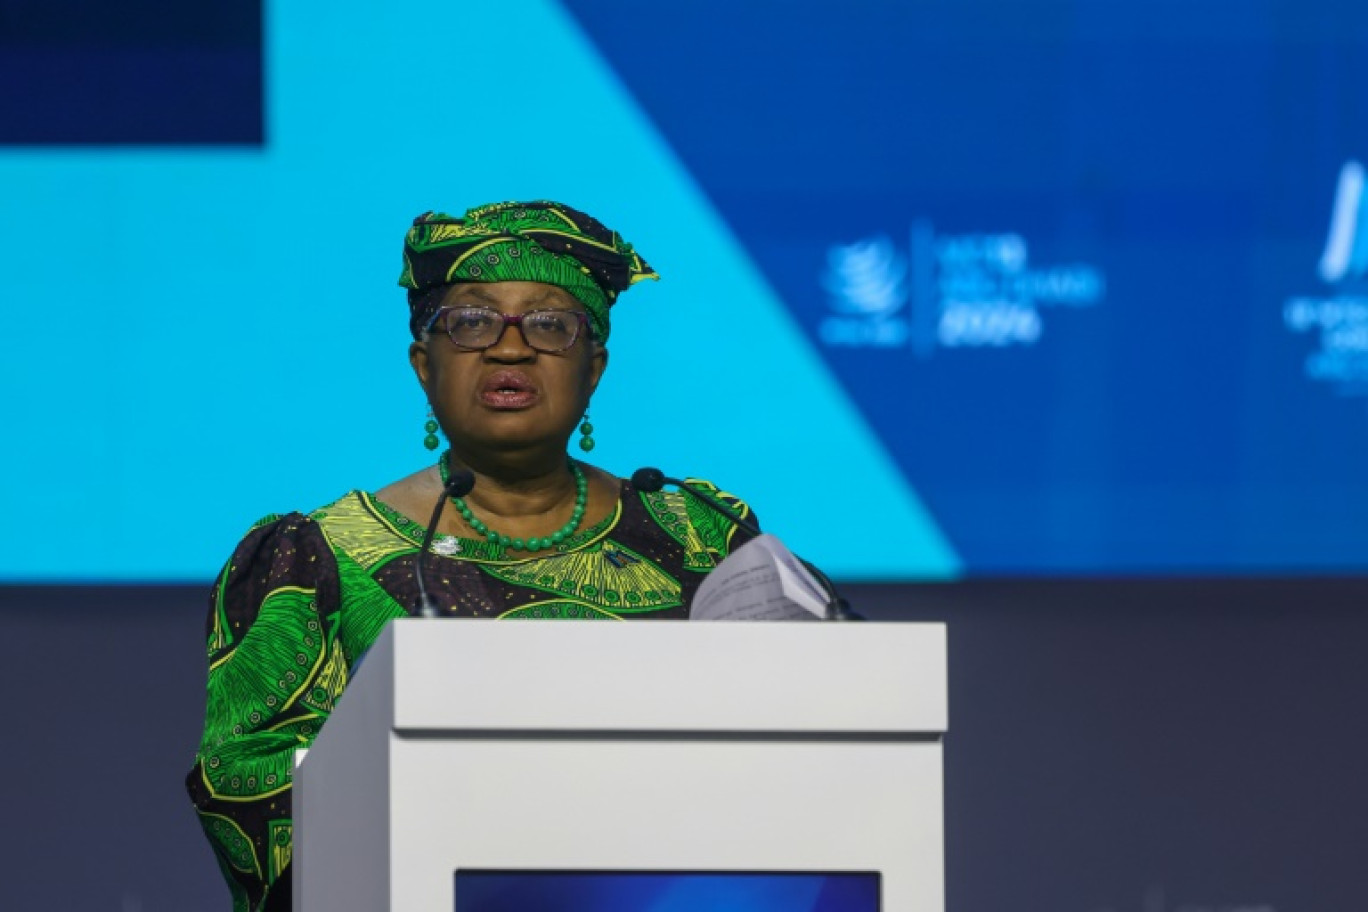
(518, 544)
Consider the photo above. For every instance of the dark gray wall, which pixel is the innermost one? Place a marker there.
(104, 690)
(1178, 746)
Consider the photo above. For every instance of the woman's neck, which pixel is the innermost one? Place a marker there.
(519, 485)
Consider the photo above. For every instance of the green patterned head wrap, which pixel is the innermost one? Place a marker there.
(539, 241)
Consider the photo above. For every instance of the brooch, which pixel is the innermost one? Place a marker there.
(447, 546)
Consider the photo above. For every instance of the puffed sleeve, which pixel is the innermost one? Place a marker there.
(723, 536)
(275, 670)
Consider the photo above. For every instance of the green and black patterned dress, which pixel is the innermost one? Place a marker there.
(304, 596)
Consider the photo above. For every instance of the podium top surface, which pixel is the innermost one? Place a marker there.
(493, 677)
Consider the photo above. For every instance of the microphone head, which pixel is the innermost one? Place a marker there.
(460, 481)
(648, 480)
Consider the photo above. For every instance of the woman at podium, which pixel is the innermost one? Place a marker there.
(509, 308)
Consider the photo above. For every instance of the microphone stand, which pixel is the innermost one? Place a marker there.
(459, 484)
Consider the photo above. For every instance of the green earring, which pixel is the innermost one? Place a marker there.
(586, 434)
(431, 441)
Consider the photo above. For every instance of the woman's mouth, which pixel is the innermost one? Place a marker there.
(508, 389)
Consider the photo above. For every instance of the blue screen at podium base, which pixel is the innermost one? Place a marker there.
(665, 891)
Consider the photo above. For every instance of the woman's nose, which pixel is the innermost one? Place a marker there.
(511, 343)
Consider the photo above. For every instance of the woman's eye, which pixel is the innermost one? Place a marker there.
(469, 319)
(552, 322)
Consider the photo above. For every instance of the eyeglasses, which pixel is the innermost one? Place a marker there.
(478, 328)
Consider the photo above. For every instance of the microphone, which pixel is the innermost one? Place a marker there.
(648, 479)
(652, 480)
(460, 481)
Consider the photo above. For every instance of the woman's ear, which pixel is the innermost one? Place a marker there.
(598, 364)
(418, 359)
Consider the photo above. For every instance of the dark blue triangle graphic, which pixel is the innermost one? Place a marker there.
(135, 72)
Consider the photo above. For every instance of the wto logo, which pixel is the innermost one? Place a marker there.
(1341, 318)
(867, 285)
(949, 291)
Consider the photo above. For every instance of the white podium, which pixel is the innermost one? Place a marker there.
(652, 746)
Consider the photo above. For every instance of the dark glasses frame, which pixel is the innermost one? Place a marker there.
(581, 322)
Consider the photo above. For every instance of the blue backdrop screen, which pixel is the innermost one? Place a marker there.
(1028, 286)
(1092, 270)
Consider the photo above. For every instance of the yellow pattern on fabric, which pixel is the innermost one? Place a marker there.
(218, 636)
(243, 760)
(705, 535)
(565, 218)
(285, 634)
(590, 576)
(328, 686)
(234, 845)
(282, 846)
(672, 511)
(460, 260)
(260, 765)
(559, 609)
(583, 240)
(301, 728)
(715, 531)
(369, 539)
(447, 231)
(366, 608)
